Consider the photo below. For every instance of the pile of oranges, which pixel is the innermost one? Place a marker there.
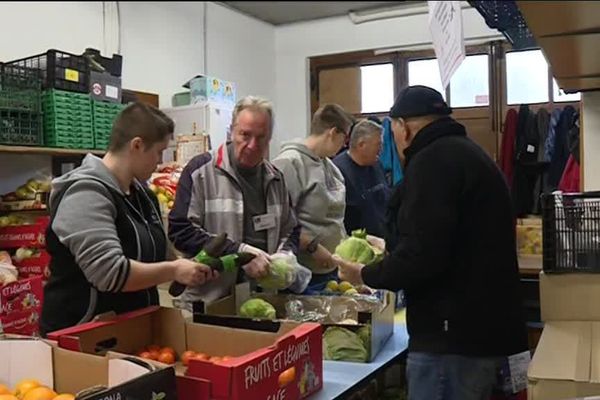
(167, 355)
(30, 389)
(192, 355)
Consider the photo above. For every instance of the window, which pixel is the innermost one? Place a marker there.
(526, 77)
(377, 88)
(470, 86)
(427, 73)
(560, 96)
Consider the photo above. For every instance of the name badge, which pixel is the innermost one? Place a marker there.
(264, 221)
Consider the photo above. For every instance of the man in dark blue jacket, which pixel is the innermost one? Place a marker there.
(451, 248)
(367, 192)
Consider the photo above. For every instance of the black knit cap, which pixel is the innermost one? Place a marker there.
(417, 101)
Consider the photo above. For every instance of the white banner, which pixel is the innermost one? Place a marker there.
(445, 24)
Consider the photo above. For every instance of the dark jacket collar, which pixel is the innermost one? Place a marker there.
(437, 129)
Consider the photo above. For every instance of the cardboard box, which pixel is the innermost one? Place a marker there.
(21, 322)
(260, 356)
(381, 320)
(22, 295)
(33, 235)
(529, 236)
(38, 265)
(570, 297)
(71, 372)
(189, 146)
(566, 363)
(209, 88)
(21, 306)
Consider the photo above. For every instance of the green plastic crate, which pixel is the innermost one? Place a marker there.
(20, 128)
(20, 88)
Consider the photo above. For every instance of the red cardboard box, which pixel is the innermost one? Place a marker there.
(38, 265)
(271, 360)
(24, 322)
(32, 235)
(22, 295)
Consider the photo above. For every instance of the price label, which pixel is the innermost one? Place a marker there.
(71, 75)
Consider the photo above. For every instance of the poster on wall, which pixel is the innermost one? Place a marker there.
(445, 24)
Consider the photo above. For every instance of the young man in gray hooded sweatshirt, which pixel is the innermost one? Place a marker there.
(317, 190)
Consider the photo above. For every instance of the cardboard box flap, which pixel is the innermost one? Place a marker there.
(76, 371)
(595, 354)
(122, 370)
(257, 335)
(17, 356)
(564, 352)
(570, 297)
(127, 333)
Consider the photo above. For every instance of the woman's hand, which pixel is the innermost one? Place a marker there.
(191, 273)
(349, 271)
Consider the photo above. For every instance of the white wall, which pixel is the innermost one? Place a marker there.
(590, 131)
(241, 49)
(162, 44)
(161, 41)
(296, 42)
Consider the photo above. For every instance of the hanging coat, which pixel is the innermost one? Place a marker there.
(507, 151)
(542, 122)
(388, 157)
(560, 153)
(526, 165)
(569, 182)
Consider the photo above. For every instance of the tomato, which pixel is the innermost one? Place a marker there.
(187, 356)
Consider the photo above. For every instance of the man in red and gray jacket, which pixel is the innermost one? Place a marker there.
(234, 189)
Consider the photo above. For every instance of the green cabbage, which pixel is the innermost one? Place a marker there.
(341, 344)
(357, 249)
(364, 333)
(257, 308)
(281, 275)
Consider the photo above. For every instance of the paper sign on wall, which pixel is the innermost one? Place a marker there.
(445, 24)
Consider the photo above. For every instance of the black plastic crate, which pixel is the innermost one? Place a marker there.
(98, 63)
(571, 232)
(20, 88)
(20, 128)
(60, 70)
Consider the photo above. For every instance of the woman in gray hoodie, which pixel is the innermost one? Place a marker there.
(317, 190)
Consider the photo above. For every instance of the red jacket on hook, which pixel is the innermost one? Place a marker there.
(569, 182)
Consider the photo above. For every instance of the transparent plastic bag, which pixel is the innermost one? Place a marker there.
(286, 273)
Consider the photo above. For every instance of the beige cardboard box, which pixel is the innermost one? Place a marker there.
(570, 297)
(566, 363)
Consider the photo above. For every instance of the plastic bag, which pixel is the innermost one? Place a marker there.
(286, 273)
(8, 273)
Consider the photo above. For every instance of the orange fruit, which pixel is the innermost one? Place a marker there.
(186, 356)
(4, 389)
(24, 386)
(227, 358)
(145, 354)
(153, 355)
(40, 393)
(166, 358)
(215, 359)
(7, 396)
(201, 357)
(153, 348)
(167, 350)
(64, 396)
(286, 377)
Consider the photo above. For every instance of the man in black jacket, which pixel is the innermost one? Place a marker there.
(451, 248)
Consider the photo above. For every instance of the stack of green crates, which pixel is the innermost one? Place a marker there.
(67, 119)
(104, 116)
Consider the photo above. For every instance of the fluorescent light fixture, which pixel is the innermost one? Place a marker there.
(429, 45)
(402, 10)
